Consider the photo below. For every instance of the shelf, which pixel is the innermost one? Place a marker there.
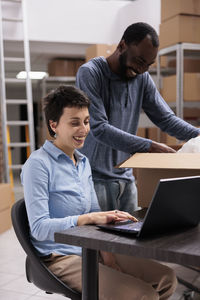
(163, 70)
(59, 79)
(50, 81)
(188, 47)
(179, 50)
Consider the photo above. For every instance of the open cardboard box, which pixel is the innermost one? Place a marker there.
(153, 166)
(6, 202)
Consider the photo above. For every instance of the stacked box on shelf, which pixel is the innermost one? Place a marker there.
(192, 113)
(142, 132)
(191, 65)
(180, 22)
(155, 134)
(64, 67)
(180, 29)
(191, 68)
(99, 50)
(171, 8)
(191, 87)
(163, 63)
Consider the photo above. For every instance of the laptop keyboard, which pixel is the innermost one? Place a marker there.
(129, 225)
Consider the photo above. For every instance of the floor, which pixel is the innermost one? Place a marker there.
(13, 283)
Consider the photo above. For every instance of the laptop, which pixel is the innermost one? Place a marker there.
(175, 206)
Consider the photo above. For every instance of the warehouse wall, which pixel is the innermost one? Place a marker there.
(84, 21)
(73, 21)
(87, 21)
(140, 11)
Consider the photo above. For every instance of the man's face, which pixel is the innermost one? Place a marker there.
(136, 59)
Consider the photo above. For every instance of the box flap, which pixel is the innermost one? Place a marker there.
(163, 161)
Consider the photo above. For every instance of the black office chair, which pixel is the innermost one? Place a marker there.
(36, 270)
(192, 290)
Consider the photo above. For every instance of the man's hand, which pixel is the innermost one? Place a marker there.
(160, 148)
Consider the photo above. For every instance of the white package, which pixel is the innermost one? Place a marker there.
(192, 146)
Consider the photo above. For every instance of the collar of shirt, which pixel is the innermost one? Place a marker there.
(55, 152)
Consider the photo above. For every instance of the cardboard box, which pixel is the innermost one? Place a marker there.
(6, 202)
(191, 113)
(167, 139)
(64, 67)
(141, 132)
(191, 87)
(163, 63)
(1, 164)
(5, 220)
(175, 146)
(1, 154)
(100, 50)
(61, 67)
(157, 135)
(170, 8)
(180, 29)
(153, 133)
(78, 63)
(153, 166)
(190, 65)
(6, 199)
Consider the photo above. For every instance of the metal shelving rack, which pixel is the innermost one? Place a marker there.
(53, 81)
(180, 51)
(7, 123)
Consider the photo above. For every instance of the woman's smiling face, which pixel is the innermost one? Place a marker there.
(72, 129)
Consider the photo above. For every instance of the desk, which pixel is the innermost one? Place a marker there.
(181, 248)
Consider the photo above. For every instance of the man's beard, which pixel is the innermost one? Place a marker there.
(122, 66)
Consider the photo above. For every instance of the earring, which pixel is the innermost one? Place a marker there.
(55, 135)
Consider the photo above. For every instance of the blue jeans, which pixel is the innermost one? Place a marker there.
(116, 195)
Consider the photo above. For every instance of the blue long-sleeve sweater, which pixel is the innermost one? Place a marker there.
(115, 111)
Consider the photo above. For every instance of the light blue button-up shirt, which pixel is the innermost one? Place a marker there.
(56, 192)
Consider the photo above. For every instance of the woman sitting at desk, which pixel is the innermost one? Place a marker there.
(59, 194)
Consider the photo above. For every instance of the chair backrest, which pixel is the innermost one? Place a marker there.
(36, 270)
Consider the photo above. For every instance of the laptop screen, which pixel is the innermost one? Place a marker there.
(175, 205)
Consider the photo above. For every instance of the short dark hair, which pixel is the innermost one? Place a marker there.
(136, 32)
(64, 96)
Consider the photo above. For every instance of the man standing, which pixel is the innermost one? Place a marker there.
(119, 87)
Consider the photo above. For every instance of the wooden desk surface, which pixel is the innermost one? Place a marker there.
(181, 248)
